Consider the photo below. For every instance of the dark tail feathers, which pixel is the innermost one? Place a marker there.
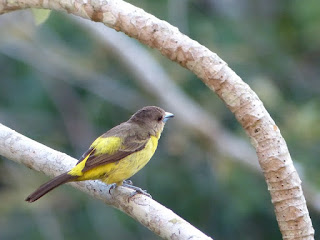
(47, 187)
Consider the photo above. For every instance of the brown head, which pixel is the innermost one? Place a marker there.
(151, 117)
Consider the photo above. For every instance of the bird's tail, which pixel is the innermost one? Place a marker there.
(47, 187)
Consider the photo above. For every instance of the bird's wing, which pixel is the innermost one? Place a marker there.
(110, 149)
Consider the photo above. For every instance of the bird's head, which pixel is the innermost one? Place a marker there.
(151, 117)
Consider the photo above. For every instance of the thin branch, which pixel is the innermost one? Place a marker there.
(148, 212)
(281, 176)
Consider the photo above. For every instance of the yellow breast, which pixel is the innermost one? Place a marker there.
(125, 168)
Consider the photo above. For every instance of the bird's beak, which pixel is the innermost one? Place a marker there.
(167, 116)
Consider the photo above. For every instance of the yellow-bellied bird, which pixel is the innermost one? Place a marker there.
(117, 154)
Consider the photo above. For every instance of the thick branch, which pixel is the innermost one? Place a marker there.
(274, 158)
(148, 212)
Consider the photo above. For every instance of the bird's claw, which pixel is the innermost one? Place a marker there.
(112, 186)
(128, 184)
(140, 191)
(128, 181)
(136, 191)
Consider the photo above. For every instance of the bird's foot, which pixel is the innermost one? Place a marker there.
(137, 190)
(112, 186)
(128, 181)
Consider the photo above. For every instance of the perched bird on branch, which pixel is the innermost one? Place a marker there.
(117, 154)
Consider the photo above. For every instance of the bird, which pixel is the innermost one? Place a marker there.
(116, 155)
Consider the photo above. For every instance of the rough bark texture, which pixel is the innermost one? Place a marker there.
(148, 212)
(283, 181)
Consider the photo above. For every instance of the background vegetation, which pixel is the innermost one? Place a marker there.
(62, 87)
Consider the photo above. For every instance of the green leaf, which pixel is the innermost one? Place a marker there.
(40, 15)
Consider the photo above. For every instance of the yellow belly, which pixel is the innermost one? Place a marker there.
(125, 168)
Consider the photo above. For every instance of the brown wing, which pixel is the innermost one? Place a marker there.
(95, 161)
(131, 144)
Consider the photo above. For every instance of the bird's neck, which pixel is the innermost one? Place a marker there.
(158, 134)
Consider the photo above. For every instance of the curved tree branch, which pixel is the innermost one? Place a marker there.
(148, 212)
(283, 181)
(171, 95)
(236, 148)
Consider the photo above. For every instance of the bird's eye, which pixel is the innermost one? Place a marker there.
(160, 118)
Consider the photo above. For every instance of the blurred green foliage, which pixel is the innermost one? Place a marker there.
(274, 46)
